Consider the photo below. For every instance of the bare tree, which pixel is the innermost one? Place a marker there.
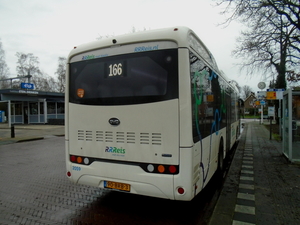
(44, 82)
(28, 64)
(4, 70)
(61, 74)
(247, 91)
(271, 42)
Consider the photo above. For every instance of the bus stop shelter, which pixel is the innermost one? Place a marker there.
(291, 125)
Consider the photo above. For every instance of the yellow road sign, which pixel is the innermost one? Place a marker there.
(271, 95)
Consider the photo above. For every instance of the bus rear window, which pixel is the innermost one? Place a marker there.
(125, 79)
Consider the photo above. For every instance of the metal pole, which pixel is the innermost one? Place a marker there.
(271, 127)
(29, 76)
(290, 145)
(12, 131)
(280, 117)
(261, 115)
(9, 113)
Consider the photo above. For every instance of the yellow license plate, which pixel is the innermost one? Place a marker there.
(117, 185)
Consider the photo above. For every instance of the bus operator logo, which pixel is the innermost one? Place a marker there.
(115, 150)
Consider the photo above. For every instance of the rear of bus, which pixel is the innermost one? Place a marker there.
(122, 116)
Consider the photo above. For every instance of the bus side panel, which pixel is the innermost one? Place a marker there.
(196, 171)
(208, 162)
(234, 133)
(199, 161)
(185, 178)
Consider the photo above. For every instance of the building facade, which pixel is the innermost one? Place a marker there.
(249, 103)
(19, 106)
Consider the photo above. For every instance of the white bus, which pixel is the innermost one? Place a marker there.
(148, 113)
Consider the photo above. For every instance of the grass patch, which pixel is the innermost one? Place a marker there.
(250, 117)
(276, 137)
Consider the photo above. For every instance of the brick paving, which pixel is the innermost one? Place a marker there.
(33, 187)
(34, 190)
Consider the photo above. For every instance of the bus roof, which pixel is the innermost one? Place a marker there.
(184, 37)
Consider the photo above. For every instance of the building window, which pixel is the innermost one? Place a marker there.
(18, 109)
(33, 108)
(51, 108)
(60, 108)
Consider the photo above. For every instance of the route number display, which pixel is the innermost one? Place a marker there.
(116, 69)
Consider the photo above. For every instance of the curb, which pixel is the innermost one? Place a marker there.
(4, 141)
(225, 207)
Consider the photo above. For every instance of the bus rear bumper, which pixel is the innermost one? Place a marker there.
(135, 187)
(148, 184)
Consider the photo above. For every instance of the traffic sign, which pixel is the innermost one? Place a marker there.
(273, 94)
(27, 85)
(257, 103)
(262, 102)
(271, 111)
(261, 95)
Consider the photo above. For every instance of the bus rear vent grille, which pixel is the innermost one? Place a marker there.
(85, 135)
(120, 137)
(150, 138)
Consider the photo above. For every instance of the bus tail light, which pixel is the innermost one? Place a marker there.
(79, 160)
(149, 168)
(161, 168)
(69, 174)
(73, 158)
(172, 169)
(158, 168)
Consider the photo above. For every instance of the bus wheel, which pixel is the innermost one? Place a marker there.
(221, 158)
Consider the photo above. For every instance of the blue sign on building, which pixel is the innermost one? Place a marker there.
(27, 85)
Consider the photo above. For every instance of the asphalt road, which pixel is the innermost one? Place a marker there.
(34, 190)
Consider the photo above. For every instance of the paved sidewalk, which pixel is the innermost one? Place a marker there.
(29, 132)
(262, 187)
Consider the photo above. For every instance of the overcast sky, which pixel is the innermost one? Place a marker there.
(50, 29)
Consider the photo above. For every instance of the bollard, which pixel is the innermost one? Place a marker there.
(12, 131)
